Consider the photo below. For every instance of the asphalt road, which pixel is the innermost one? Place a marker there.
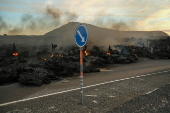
(127, 81)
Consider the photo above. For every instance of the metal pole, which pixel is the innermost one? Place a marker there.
(81, 75)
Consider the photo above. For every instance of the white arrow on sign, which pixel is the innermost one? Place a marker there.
(82, 38)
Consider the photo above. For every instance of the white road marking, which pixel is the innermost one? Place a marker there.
(154, 73)
(165, 71)
(148, 74)
(111, 96)
(160, 72)
(127, 78)
(17, 101)
(38, 97)
(139, 78)
(117, 80)
(91, 95)
(152, 91)
(122, 79)
(51, 107)
(95, 101)
(142, 75)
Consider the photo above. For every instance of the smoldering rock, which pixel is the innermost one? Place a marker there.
(160, 48)
(33, 76)
(95, 61)
(60, 67)
(33, 79)
(53, 76)
(88, 69)
(9, 70)
(8, 76)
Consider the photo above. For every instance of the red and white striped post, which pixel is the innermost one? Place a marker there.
(81, 75)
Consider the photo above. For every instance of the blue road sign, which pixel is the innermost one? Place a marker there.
(81, 35)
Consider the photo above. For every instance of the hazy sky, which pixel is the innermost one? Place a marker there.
(40, 16)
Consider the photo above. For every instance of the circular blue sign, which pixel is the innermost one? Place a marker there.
(81, 35)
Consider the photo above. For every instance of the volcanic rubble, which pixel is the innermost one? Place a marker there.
(44, 66)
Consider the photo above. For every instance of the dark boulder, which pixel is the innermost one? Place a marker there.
(89, 69)
(33, 79)
(8, 76)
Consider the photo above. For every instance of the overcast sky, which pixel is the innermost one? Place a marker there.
(40, 16)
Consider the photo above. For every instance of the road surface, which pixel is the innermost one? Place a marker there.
(115, 85)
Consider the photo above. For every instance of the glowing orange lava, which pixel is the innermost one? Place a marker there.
(15, 54)
(60, 55)
(108, 53)
(44, 59)
(136, 56)
(86, 53)
(52, 55)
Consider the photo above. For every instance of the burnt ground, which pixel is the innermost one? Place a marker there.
(140, 94)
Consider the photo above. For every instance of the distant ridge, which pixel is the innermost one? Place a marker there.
(101, 36)
(70, 27)
(64, 36)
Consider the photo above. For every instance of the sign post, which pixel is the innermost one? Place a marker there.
(81, 36)
(81, 75)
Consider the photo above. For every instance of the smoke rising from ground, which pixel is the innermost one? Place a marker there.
(54, 13)
(62, 16)
(52, 19)
(25, 18)
(3, 25)
(114, 24)
(31, 25)
(120, 26)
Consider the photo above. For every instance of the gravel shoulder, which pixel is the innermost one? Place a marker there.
(156, 102)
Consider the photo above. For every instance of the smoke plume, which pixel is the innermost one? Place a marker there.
(15, 30)
(3, 25)
(53, 12)
(120, 26)
(71, 16)
(113, 24)
(26, 17)
(31, 25)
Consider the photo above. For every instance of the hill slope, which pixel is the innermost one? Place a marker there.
(99, 36)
